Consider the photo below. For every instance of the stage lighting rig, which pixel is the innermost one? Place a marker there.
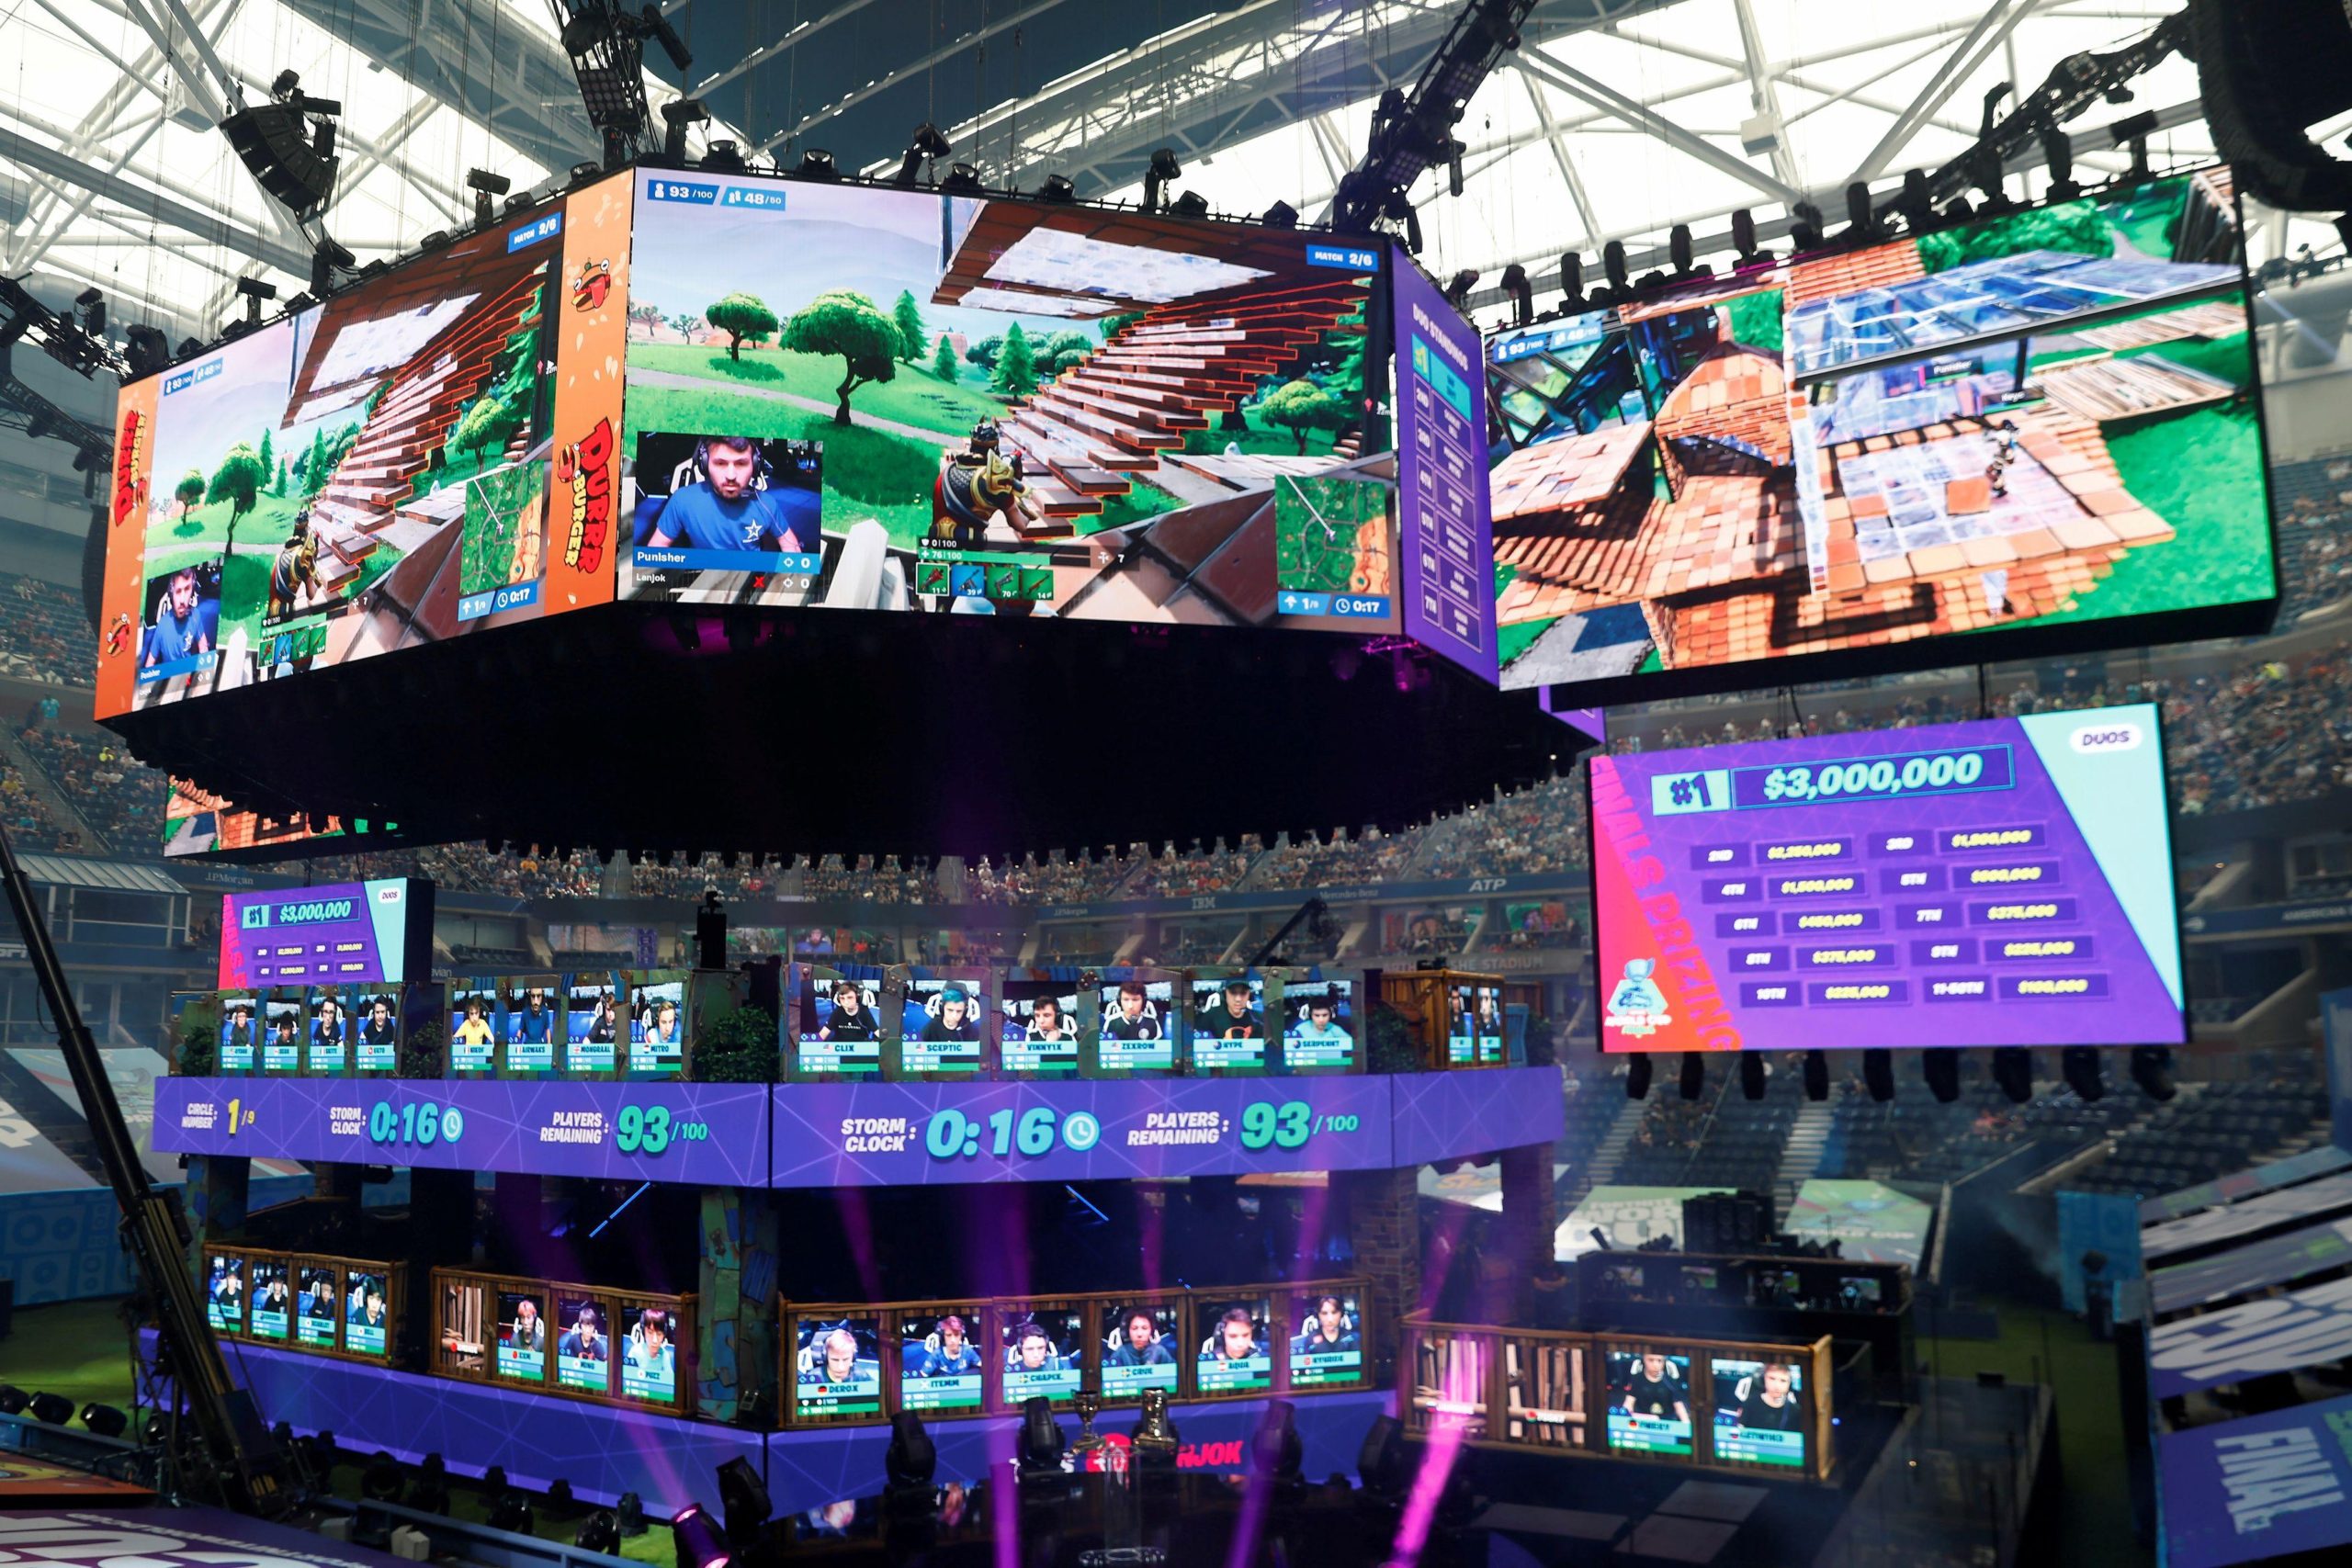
(600, 1533)
(677, 115)
(930, 145)
(2058, 157)
(963, 179)
(606, 43)
(723, 158)
(1457, 291)
(1162, 170)
(2152, 1070)
(744, 1499)
(1878, 1073)
(1917, 203)
(1572, 280)
(1862, 226)
(696, 1540)
(288, 145)
(2079, 1064)
(1413, 131)
(254, 290)
(1941, 1070)
(2013, 1070)
(1192, 203)
(1805, 231)
(1521, 292)
(1281, 215)
(485, 186)
(1057, 188)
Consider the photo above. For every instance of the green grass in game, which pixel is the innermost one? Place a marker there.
(1316, 523)
(496, 504)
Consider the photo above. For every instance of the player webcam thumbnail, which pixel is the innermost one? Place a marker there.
(721, 517)
(181, 631)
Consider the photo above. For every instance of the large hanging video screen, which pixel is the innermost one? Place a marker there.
(371, 473)
(906, 400)
(2036, 432)
(2004, 882)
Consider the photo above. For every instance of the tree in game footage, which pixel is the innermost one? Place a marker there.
(845, 322)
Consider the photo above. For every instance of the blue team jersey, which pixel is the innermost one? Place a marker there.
(696, 519)
(169, 640)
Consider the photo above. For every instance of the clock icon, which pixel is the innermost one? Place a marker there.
(972, 1143)
(1080, 1131)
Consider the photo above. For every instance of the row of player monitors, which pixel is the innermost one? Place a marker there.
(1758, 1408)
(975, 1023)
(1778, 1283)
(846, 1364)
(337, 1306)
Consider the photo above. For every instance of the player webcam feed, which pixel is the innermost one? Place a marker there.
(532, 1025)
(1473, 1026)
(473, 1025)
(1234, 1357)
(182, 624)
(281, 1045)
(2034, 421)
(839, 1025)
(224, 1293)
(1861, 1293)
(837, 1364)
(366, 475)
(365, 1326)
(1327, 1349)
(583, 1355)
(1760, 1416)
(649, 1355)
(1025, 409)
(657, 1030)
(1044, 1353)
(940, 1031)
(1229, 1024)
(329, 1032)
(940, 1369)
(242, 1025)
(592, 1018)
(318, 1303)
(1136, 1032)
(273, 1300)
(1139, 1348)
(1649, 1400)
(1948, 884)
(377, 1035)
(725, 519)
(1040, 1031)
(1319, 1030)
(522, 1336)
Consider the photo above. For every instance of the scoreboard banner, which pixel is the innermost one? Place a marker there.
(708, 1134)
(2262, 1487)
(355, 932)
(2006, 882)
(1446, 535)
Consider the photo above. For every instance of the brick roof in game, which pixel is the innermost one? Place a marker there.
(1554, 475)
(1732, 395)
(1880, 267)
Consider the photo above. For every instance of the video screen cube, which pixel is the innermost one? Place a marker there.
(2039, 428)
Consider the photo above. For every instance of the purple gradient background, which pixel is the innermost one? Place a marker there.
(1466, 446)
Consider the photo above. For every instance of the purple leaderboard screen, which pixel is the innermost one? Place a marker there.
(360, 933)
(2007, 882)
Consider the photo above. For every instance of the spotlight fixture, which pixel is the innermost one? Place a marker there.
(486, 185)
(1457, 292)
(1521, 292)
(1612, 265)
(744, 1497)
(816, 164)
(1817, 1076)
(104, 1420)
(2013, 1070)
(696, 1540)
(1743, 242)
(912, 1458)
(1162, 170)
(1941, 1069)
(1572, 279)
(1751, 1074)
(256, 290)
(54, 1409)
(2152, 1070)
(2058, 154)
(1680, 250)
(188, 346)
(1878, 1073)
(600, 1533)
(1383, 1464)
(723, 158)
(1057, 188)
(929, 146)
(1041, 1439)
(1861, 223)
(1275, 1447)
(677, 116)
(1693, 1081)
(963, 179)
(1917, 203)
(288, 145)
(631, 1516)
(1192, 203)
(91, 306)
(1805, 233)
(381, 1481)
(1637, 1076)
(560, 1492)
(1281, 215)
(146, 349)
(494, 1480)
(2080, 1066)
(13, 1399)
(511, 1514)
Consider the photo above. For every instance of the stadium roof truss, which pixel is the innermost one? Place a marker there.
(1615, 119)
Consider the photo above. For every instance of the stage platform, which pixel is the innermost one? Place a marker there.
(868, 1134)
(604, 1451)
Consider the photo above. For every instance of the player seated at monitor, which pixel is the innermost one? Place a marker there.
(1033, 1351)
(841, 1364)
(1656, 1390)
(1139, 1344)
(948, 1352)
(731, 509)
(474, 1030)
(602, 1028)
(527, 1331)
(182, 629)
(851, 1018)
(240, 1026)
(1321, 1022)
(650, 1353)
(1131, 1022)
(1329, 1331)
(1231, 1016)
(1045, 1021)
(1236, 1338)
(1770, 1403)
(953, 1020)
(369, 1309)
(535, 1021)
(582, 1341)
(377, 1030)
(661, 1025)
(328, 1029)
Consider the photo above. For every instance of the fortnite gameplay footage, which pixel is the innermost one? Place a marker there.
(913, 401)
(2039, 419)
